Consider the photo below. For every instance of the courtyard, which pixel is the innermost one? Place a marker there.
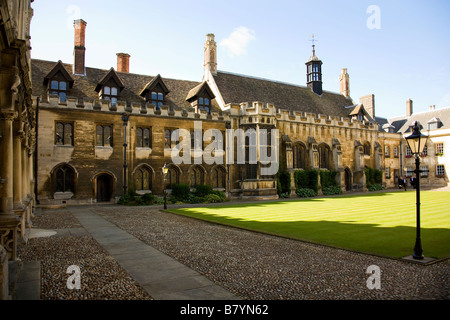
(251, 265)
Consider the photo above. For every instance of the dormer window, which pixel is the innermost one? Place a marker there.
(58, 81)
(109, 87)
(200, 98)
(111, 94)
(155, 92)
(204, 104)
(59, 88)
(156, 98)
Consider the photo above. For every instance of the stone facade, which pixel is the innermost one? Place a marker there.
(17, 132)
(329, 130)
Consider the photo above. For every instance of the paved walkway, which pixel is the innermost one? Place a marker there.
(161, 276)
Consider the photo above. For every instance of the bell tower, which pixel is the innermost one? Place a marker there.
(314, 71)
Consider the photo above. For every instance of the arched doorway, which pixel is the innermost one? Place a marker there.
(348, 179)
(104, 187)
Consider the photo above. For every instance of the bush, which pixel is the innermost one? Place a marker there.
(331, 190)
(375, 187)
(220, 194)
(307, 179)
(327, 179)
(149, 198)
(180, 192)
(211, 198)
(305, 192)
(284, 182)
(202, 190)
(373, 176)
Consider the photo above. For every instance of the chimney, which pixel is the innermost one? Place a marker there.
(210, 63)
(409, 107)
(123, 62)
(433, 107)
(344, 82)
(79, 49)
(369, 104)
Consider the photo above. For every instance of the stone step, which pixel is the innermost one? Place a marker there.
(24, 280)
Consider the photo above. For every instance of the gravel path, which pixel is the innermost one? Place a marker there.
(252, 265)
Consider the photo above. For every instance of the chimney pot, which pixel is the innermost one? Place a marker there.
(344, 81)
(432, 107)
(123, 62)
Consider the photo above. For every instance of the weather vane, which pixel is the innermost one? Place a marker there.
(313, 45)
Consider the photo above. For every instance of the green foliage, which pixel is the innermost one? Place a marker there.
(331, 190)
(305, 192)
(283, 182)
(327, 179)
(133, 199)
(180, 192)
(373, 176)
(212, 198)
(307, 179)
(202, 190)
(375, 187)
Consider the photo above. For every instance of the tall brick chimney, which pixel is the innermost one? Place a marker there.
(409, 107)
(344, 81)
(123, 62)
(79, 47)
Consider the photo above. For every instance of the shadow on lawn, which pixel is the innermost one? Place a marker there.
(394, 242)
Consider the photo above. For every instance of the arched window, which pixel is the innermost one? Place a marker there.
(197, 177)
(172, 177)
(367, 149)
(324, 156)
(64, 179)
(143, 178)
(219, 177)
(299, 156)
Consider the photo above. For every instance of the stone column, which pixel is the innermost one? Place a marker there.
(7, 159)
(17, 169)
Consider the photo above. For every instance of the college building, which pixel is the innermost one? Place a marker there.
(75, 134)
(103, 132)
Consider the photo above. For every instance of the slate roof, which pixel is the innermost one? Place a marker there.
(402, 124)
(84, 86)
(239, 88)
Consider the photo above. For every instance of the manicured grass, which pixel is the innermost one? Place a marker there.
(379, 223)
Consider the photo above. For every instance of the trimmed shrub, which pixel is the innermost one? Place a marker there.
(202, 190)
(327, 179)
(211, 198)
(284, 182)
(305, 192)
(331, 190)
(375, 187)
(180, 192)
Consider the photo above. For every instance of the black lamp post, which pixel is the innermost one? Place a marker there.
(165, 169)
(125, 117)
(417, 142)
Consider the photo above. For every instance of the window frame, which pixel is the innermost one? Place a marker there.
(62, 138)
(110, 96)
(62, 93)
(103, 139)
(140, 143)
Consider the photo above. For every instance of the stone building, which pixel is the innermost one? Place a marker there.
(435, 123)
(17, 131)
(88, 153)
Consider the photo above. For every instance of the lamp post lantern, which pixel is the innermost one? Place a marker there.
(165, 169)
(417, 142)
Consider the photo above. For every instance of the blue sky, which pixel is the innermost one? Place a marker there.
(394, 49)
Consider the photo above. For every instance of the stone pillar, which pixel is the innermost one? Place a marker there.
(17, 169)
(6, 169)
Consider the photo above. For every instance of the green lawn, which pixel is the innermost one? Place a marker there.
(379, 223)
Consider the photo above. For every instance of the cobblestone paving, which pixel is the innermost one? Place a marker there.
(252, 265)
